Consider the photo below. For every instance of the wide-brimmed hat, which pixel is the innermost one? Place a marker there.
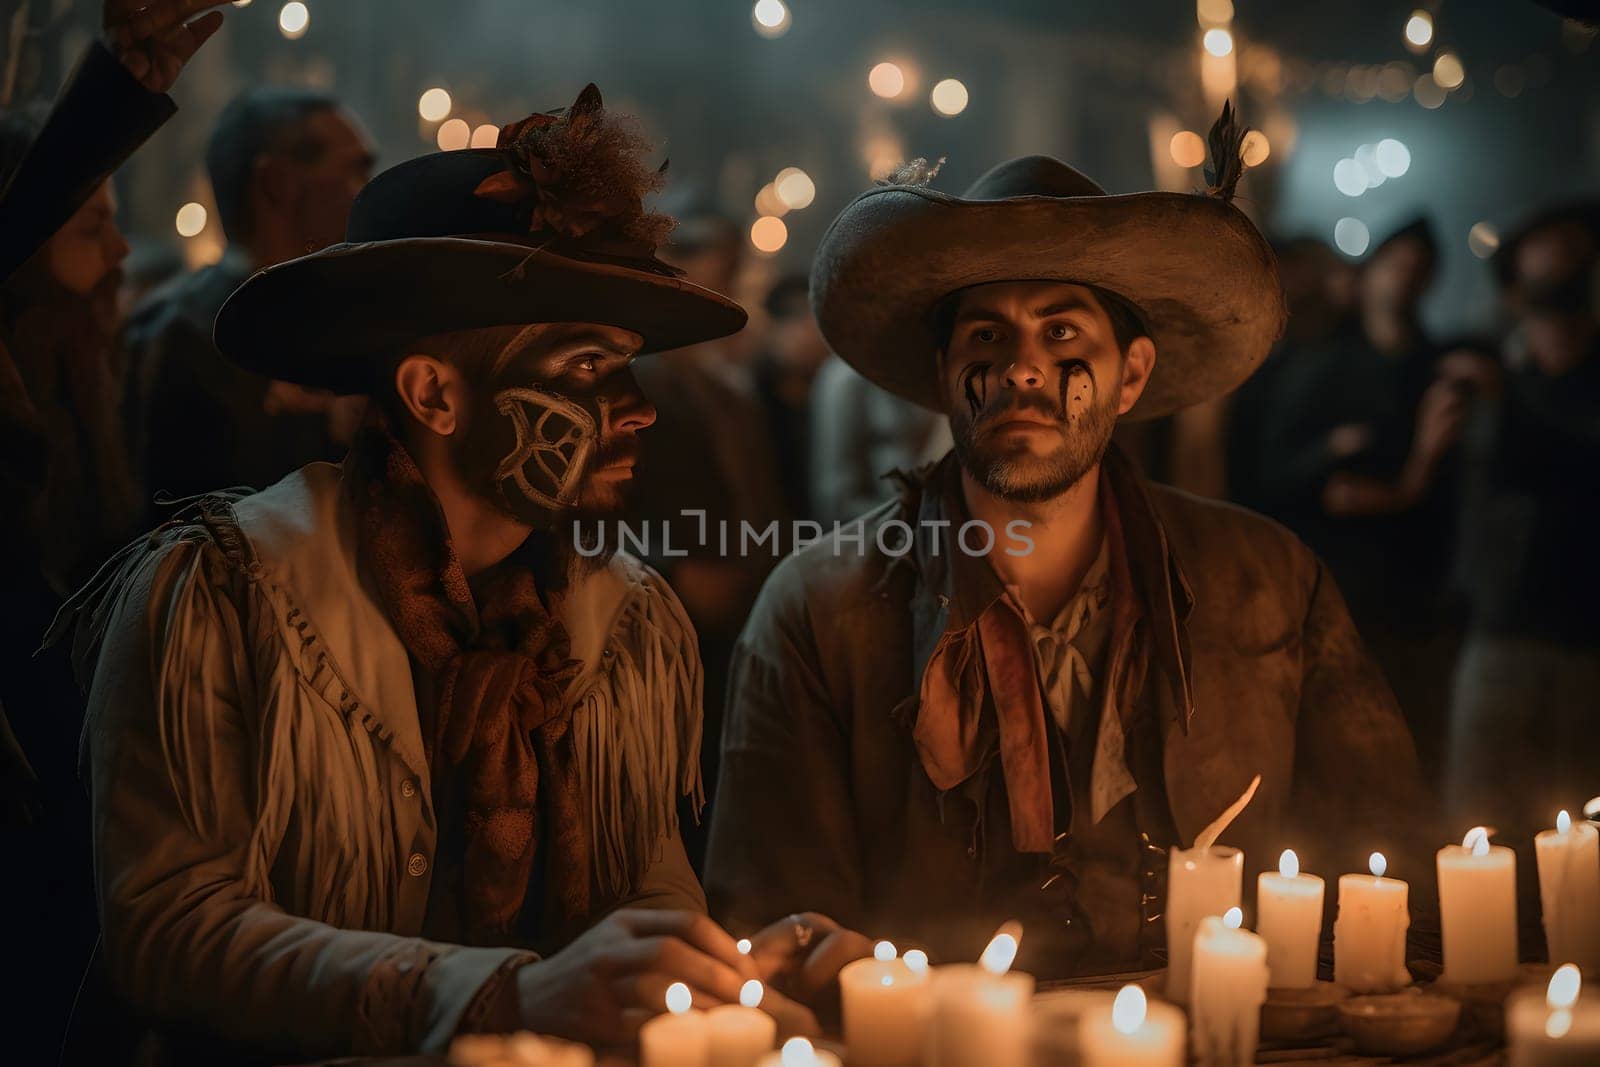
(547, 227)
(1203, 280)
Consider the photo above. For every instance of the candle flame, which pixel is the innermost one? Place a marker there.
(1565, 985)
(1002, 950)
(1289, 864)
(1233, 918)
(1477, 840)
(1557, 1025)
(883, 951)
(1128, 1010)
(743, 945)
(1563, 821)
(916, 961)
(797, 1052)
(751, 992)
(679, 998)
(1377, 864)
(1591, 810)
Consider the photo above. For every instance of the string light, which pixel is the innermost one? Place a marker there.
(1448, 71)
(887, 80)
(434, 105)
(1218, 42)
(191, 219)
(768, 234)
(486, 135)
(1188, 150)
(1419, 30)
(794, 188)
(770, 18)
(294, 19)
(454, 134)
(1351, 235)
(949, 97)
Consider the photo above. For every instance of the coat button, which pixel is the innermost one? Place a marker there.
(417, 865)
(408, 788)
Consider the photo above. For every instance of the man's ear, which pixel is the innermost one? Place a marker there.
(432, 392)
(1137, 365)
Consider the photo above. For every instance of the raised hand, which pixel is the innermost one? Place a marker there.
(154, 38)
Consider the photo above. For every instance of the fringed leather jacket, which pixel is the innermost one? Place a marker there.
(263, 829)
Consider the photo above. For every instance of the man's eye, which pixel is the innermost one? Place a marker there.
(986, 335)
(1060, 331)
(589, 364)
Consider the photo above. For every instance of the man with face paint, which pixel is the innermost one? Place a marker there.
(1007, 693)
(376, 757)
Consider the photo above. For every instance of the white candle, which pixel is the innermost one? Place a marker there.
(1569, 891)
(982, 1016)
(1369, 934)
(680, 1038)
(886, 1003)
(1478, 910)
(1289, 919)
(1228, 987)
(1558, 1026)
(741, 1033)
(1132, 1033)
(798, 1052)
(1200, 883)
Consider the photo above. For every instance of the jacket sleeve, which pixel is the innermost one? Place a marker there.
(192, 937)
(783, 832)
(101, 116)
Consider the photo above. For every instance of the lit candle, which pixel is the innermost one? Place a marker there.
(982, 1016)
(1558, 1026)
(1200, 883)
(798, 1052)
(741, 1033)
(1569, 890)
(680, 1038)
(1132, 1033)
(886, 1003)
(1226, 992)
(1478, 910)
(1369, 934)
(1289, 919)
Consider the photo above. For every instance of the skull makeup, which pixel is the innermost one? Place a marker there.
(555, 439)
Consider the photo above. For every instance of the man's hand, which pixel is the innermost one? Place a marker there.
(803, 954)
(601, 988)
(154, 39)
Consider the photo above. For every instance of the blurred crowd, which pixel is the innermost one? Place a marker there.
(1449, 482)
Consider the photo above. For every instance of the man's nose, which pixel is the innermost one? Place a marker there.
(1024, 372)
(630, 411)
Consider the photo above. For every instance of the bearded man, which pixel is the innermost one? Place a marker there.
(364, 745)
(958, 720)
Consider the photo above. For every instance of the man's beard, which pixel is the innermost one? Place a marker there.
(1014, 472)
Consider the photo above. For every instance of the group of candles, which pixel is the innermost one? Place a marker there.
(899, 1011)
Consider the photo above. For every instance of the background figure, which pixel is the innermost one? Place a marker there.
(710, 450)
(1355, 432)
(860, 432)
(285, 166)
(786, 370)
(1523, 741)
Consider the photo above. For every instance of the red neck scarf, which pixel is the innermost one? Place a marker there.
(498, 732)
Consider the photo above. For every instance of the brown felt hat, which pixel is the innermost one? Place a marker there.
(1200, 275)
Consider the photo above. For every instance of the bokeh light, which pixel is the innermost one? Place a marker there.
(1429, 93)
(294, 20)
(794, 188)
(771, 18)
(1349, 177)
(949, 97)
(454, 134)
(1213, 12)
(769, 203)
(1419, 30)
(1188, 150)
(887, 80)
(1255, 149)
(1448, 71)
(1351, 235)
(486, 135)
(768, 234)
(1367, 156)
(434, 105)
(191, 219)
(1394, 158)
(1219, 42)
(1483, 239)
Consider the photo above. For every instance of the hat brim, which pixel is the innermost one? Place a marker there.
(1204, 280)
(330, 319)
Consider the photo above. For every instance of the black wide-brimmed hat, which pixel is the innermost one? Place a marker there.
(547, 227)
(1202, 278)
